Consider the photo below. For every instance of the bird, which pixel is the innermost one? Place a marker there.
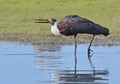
(71, 25)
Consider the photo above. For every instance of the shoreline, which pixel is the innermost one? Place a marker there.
(60, 40)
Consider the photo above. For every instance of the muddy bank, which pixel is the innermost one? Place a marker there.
(60, 40)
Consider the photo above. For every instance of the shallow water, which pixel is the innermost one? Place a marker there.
(35, 64)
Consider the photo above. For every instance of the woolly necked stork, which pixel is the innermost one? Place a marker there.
(72, 25)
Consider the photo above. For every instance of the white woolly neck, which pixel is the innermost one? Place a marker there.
(55, 30)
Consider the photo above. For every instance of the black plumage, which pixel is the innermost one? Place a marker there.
(73, 24)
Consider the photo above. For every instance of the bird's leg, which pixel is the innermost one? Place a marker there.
(89, 55)
(89, 50)
(75, 57)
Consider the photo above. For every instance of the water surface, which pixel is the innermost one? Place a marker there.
(50, 64)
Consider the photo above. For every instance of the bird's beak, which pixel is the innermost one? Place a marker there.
(41, 21)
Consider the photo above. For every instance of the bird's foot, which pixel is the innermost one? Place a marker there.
(90, 53)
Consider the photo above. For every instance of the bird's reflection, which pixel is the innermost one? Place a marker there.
(90, 54)
(90, 61)
(82, 77)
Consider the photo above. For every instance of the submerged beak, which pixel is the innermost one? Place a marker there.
(41, 21)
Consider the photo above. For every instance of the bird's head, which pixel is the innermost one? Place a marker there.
(51, 21)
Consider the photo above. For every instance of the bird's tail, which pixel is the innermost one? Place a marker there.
(103, 30)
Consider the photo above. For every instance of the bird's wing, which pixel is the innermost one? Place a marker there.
(76, 19)
(73, 24)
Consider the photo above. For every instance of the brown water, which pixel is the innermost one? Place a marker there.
(49, 64)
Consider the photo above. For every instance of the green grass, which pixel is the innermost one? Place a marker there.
(16, 18)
